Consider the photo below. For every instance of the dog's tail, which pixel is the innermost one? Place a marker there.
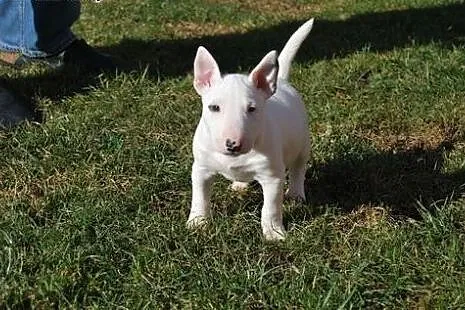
(290, 49)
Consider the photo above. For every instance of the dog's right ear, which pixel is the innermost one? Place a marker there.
(206, 71)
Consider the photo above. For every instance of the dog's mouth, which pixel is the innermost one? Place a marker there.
(235, 153)
(232, 154)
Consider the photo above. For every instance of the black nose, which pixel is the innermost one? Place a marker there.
(232, 146)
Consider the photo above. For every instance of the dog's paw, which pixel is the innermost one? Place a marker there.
(274, 232)
(197, 222)
(239, 187)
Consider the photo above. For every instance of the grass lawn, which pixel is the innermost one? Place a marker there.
(94, 198)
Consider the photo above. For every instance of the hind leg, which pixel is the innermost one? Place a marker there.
(297, 177)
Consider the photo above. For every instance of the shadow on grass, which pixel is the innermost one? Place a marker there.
(400, 181)
(18, 96)
(379, 32)
(15, 108)
(404, 182)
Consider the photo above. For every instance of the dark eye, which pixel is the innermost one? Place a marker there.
(251, 109)
(214, 107)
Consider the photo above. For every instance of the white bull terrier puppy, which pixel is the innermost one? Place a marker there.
(252, 128)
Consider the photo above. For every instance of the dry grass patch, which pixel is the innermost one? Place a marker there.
(426, 138)
(366, 216)
(281, 8)
(186, 29)
(34, 190)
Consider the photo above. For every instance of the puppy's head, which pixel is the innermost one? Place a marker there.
(234, 104)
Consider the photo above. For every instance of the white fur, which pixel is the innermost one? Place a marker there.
(252, 128)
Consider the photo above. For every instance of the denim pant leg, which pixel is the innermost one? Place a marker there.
(37, 28)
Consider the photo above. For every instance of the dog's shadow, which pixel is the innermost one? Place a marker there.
(405, 182)
(401, 181)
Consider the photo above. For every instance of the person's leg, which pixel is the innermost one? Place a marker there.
(37, 28)
(49, 33)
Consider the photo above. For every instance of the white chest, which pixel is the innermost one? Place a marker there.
(243, 168)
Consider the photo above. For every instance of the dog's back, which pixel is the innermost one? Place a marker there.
(287, 119)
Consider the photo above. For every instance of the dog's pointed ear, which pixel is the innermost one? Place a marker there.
(264, 76)
(206, 71)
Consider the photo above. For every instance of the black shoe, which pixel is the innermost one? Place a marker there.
(84, 56)
(78, 54)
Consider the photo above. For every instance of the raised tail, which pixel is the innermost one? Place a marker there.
(290, 49)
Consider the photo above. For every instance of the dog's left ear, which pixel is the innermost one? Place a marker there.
(264, 75)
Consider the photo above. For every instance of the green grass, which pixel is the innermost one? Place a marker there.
(94, 199)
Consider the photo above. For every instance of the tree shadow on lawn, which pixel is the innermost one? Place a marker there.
(399, 181)
(380, 32)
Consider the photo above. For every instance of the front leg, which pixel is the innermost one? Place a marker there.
(272, 211)
(200, 208)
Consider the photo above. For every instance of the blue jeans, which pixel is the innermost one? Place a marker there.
(37, 28)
